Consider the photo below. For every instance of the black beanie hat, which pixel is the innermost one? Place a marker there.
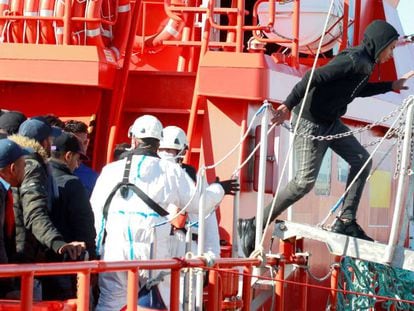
(11, 120)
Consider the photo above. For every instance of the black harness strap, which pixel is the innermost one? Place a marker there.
(124, 186)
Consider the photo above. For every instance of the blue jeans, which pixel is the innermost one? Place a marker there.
(309, 155)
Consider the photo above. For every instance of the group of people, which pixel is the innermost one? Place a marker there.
(44, 205)
(132, 208)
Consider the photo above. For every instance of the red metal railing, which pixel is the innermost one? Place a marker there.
(27, 272)
(66, 19)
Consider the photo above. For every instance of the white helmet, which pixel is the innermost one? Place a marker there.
(146, 126)
(174, 138)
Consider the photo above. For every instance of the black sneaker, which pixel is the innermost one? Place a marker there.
(350, 228)
(246, 228)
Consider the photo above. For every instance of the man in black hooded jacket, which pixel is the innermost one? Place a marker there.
(332, 88)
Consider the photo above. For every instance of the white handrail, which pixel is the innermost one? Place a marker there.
(392, 242)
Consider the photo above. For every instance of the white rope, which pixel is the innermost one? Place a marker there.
(241, 140)
(363, 167)
(197, 190)
(297, 123)
(236, 172)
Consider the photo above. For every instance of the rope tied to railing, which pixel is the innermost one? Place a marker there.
(260, 254)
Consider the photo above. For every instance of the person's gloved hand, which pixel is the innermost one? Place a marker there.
(230, 186)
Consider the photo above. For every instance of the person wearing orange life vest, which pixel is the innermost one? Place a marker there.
(127, 220)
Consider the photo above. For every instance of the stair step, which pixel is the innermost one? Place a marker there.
(342, 245)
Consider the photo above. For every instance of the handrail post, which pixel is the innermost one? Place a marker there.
(405, 158)
(213, 291)
(262, 174)
(357, 19)
(26, 289)
(201, 238)
(345, 19)
(67, 23)
(236, 200)
(175, 290)
(132, 293)
(247, 288)
(295, 27)
(240, 23)
(83, 292)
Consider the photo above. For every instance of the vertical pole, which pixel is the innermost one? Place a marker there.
(295, 27)
(286, 249)
(185, 294)
(175, 290)
(213, 294)
(357, 23)
(392, 242)
(262, 175)
(201, 237)
(236, 200)
(291, 170)
(83, 291)
(247, 288)
(67, 25)
(26, 288)
(183, 57)
(303, 275)
(280, 289)
(132, 293)
(345, 19)
(334, 283)
(240, 23)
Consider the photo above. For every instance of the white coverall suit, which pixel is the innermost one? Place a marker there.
(129, 222)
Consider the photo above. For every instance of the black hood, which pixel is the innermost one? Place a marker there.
(377, 36)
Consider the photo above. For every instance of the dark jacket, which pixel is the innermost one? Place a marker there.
(72, 214)
(3, 251)
(32, 203)
(7, 243)
(336, 84)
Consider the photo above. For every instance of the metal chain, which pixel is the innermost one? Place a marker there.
(313, 276)
(397, 131)
(353, 132)
(400, 138)
(408, 171)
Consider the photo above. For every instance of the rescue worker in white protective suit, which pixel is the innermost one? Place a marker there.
(126, 232)
(173, 147)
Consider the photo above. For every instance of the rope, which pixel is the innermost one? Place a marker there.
(261, 109)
